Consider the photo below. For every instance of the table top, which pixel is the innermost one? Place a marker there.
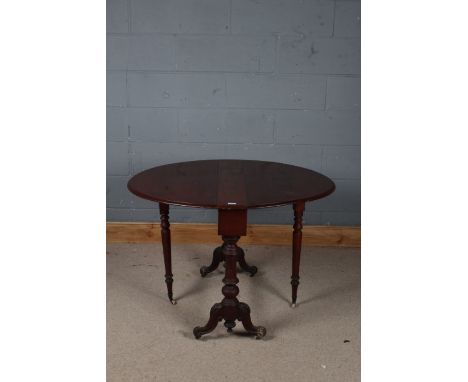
(230, 184)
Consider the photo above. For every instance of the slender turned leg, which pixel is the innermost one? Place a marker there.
(297, 242)
(230, 309)
(166, 243)
(246, 267)
(217, 258)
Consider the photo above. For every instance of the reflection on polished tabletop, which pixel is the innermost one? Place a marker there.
(230, 184)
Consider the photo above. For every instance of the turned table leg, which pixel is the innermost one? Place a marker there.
(166, 244)
(296, 247)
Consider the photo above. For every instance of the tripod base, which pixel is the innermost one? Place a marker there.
(230, 311)
(218, 257)
(230, 308)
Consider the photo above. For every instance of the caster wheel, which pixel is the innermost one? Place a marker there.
(261, 332)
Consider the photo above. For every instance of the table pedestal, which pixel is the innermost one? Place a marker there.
(231, 225)
(230, 308)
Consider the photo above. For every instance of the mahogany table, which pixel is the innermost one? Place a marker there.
(232, 187)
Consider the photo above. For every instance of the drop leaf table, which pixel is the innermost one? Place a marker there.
(232, 187)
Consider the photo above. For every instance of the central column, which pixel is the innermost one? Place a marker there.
(230, 289)
(232, 224)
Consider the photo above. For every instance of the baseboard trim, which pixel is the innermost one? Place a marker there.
(261, 234)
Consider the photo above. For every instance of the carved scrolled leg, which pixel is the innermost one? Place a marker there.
(215, 317)
(244, 317)
(243, 264)
(217, 258)
(230, 309)
(296, 247)
(166, 243)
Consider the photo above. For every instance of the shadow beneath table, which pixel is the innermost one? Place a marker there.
(332, 291)
(196, 288)
(220, 333)
(266, 285)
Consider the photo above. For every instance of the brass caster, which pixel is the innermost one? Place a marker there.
(173, 302)
(261, 331)
(293, 305)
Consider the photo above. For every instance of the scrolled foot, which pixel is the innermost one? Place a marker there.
(261, 332)
(244, 317)
(243, 264)
(215, 317)
(217, 258)
(204, 271)
(197, 332)
(253, 270)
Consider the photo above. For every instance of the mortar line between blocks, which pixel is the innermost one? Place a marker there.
(224, 72)
(277, 45)
(178, 124)
(251, 34)
(260, 108)
(127, 95)
(334, 18)
(225, 90)
(230, 17)
(129, 16)
(326, 92)
(318, 109)
(275, 128)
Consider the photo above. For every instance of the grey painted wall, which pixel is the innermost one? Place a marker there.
(252, 79)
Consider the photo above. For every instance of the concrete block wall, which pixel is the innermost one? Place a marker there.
(252, 79)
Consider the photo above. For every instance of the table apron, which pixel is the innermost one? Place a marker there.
(232, 222)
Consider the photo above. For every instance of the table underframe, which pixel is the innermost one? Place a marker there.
(232, 224)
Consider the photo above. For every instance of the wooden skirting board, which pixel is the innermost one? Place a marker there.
(260, 234)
